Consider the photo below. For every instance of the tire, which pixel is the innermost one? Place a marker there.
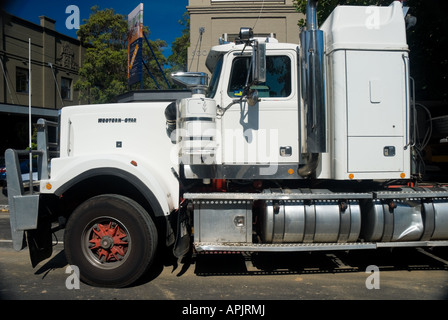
(111, 239)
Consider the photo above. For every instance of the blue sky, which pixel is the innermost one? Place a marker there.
(161, 17)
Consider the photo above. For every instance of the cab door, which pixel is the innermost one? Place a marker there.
(267, 132)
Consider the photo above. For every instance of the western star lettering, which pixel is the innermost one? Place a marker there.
(117, 120)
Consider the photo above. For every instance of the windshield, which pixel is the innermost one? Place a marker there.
(211, 91)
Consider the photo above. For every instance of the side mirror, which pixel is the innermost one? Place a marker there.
(252, 97)
(259, 62)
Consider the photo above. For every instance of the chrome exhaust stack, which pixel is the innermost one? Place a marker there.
(312, 81)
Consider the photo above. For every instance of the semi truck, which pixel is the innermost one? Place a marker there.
(310, 146)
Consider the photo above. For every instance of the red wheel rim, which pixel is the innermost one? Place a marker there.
(108, 241)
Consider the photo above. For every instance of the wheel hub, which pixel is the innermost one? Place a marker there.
(108, 242)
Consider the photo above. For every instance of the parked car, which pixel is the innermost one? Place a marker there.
(2, 172)
(25, 170)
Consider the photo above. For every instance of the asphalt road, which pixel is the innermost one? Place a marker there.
(3, 200)
(407, 274)
(401, 274)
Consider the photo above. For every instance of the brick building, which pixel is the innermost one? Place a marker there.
(55, 61)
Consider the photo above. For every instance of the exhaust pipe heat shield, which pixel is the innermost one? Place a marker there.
(313, 85)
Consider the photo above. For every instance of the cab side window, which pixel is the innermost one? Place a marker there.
(278, 77)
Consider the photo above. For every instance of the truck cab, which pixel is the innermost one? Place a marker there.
(254, 137)
(350, 120)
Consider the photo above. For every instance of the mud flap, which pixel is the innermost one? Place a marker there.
(40, 242)
(183, 232)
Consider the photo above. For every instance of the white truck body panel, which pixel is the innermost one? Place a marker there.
(366, 28)
(367, 93)
(111, 136)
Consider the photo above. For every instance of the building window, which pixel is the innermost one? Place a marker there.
(22, 78)
(66, 88)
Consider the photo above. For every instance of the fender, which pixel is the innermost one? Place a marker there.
(158, 185)
(162, 195)
(137, 183)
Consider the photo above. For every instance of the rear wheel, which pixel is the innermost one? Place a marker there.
(111, 239)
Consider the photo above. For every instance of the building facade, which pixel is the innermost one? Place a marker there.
(211, 20)
(55, 61)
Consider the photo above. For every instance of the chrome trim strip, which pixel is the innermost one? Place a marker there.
(294, 247)
(277, 196)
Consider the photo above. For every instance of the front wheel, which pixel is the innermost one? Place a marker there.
(111, 239)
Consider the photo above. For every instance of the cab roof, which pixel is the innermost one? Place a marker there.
(217, 51)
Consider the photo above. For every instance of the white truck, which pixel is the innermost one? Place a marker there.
(290, 147)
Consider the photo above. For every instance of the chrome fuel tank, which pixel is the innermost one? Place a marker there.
(404, 220)
(294, 221)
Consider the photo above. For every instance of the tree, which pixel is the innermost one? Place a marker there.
(429, 62)
(103, 74)
(427, 42)
(178, 60)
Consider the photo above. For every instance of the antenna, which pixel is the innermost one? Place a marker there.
(198, 53)
(30, 130)
(259, 16)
